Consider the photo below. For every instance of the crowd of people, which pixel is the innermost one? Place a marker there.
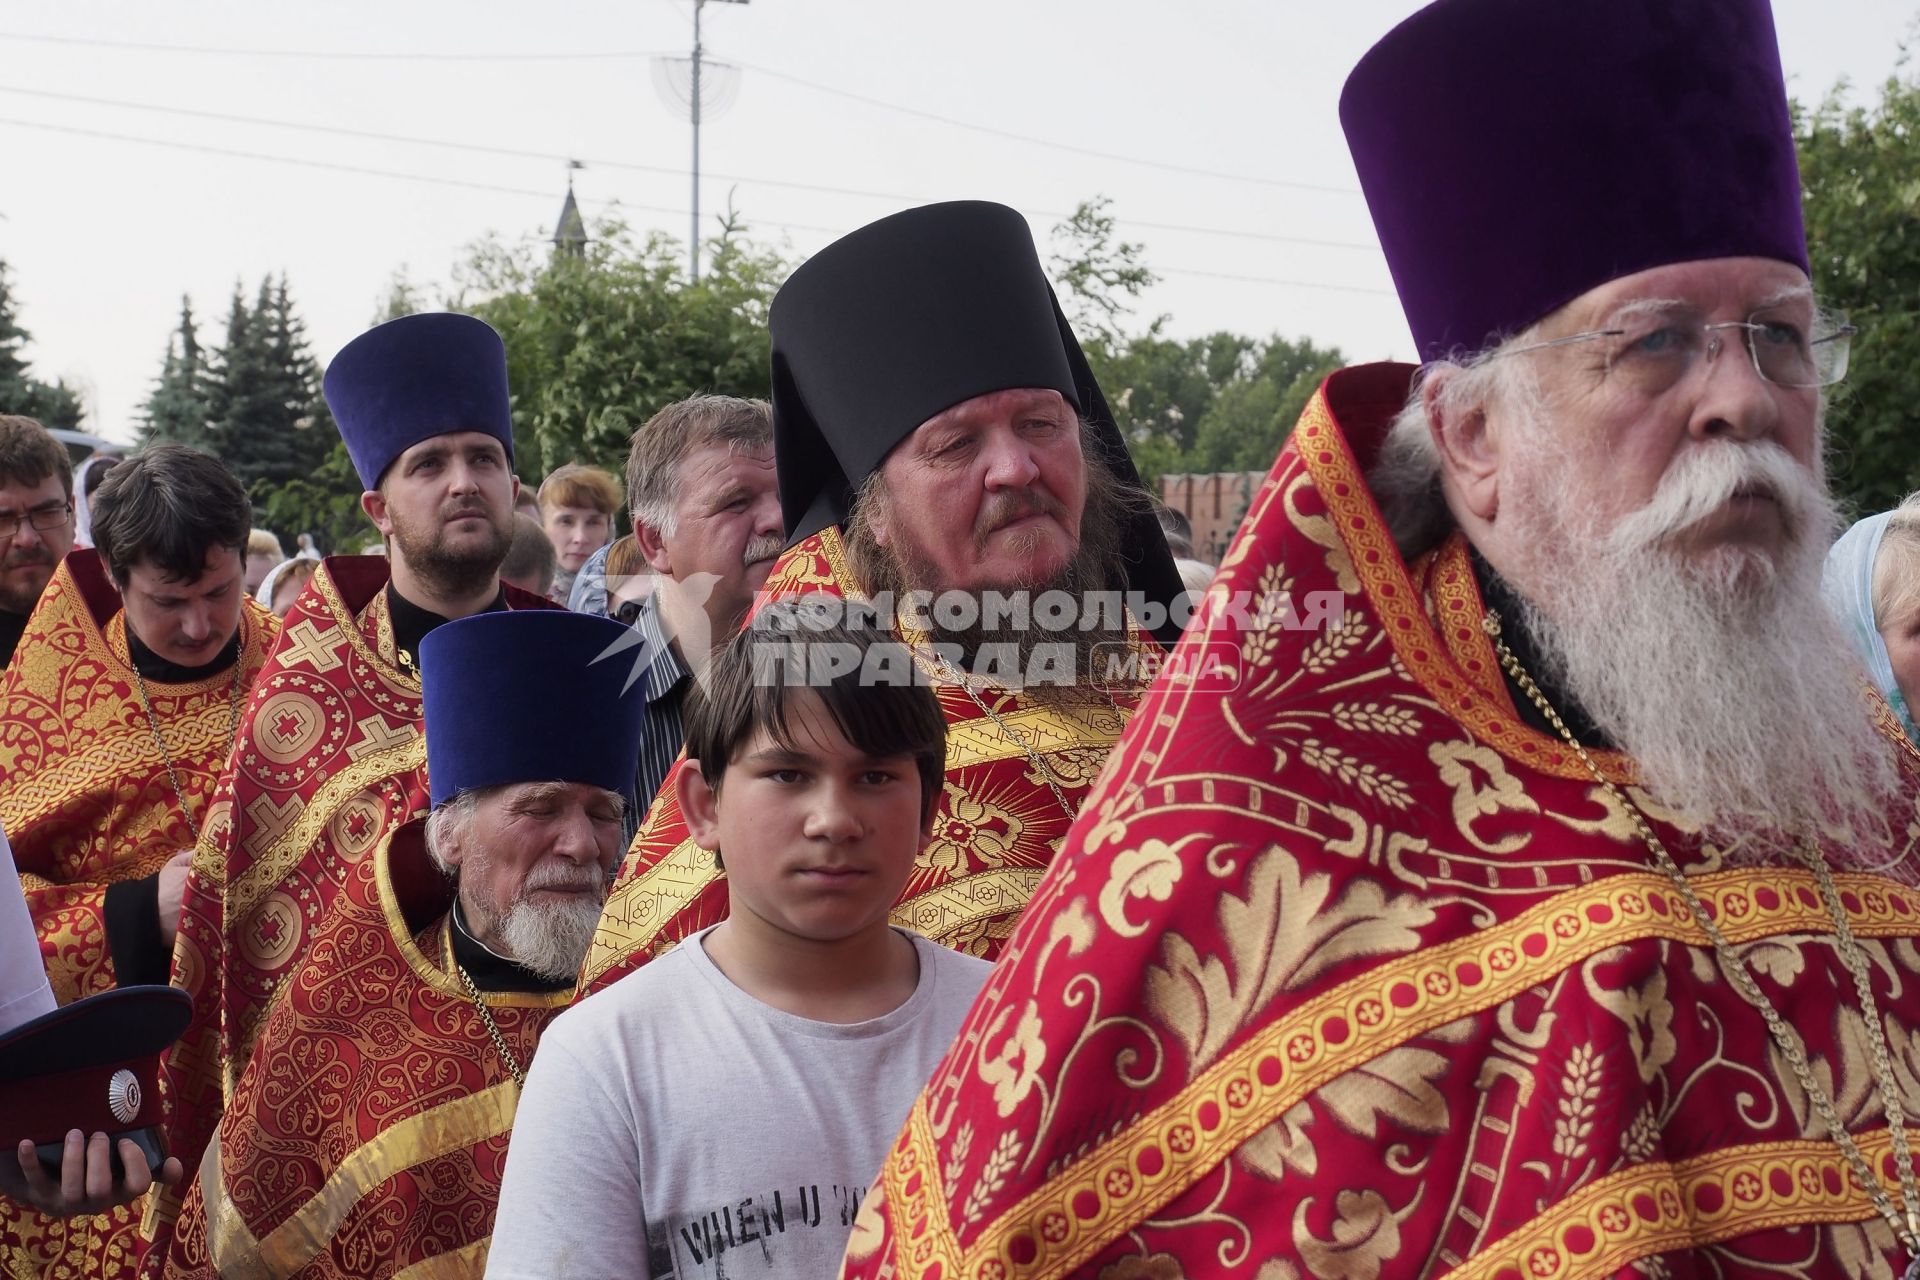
(895, 856)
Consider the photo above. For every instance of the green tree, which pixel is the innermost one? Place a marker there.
(267, 421)
(54, 404)
(176, 409)
(1860, 168)
(403, 298)
(326, 502)
(1254, 410)
(597, 343)
(240, 389)
(1102, 277)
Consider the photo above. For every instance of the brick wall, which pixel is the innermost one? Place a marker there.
(1214, 503)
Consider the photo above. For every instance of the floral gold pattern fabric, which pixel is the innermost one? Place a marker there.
(330, 761)
(86, 801)
(369, 1132)
(1345, 973)
(996, 828)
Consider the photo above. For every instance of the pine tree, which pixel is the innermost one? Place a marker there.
(242, 391)
(54, 404)
(308, 436)
(177, 408)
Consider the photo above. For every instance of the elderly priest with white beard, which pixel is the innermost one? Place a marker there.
(369, 1131)
(1556, 916)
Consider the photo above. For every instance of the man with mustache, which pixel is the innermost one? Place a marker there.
(706, 518)
(116, 719)
(36, 513)
(330, 757)
(1555, 915)
(946, 462)
(392, 1060)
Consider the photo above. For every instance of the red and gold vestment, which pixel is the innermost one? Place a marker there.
(1346, 972)
(996, 828)
(86, 802)
(330, 760)
(367, 1136)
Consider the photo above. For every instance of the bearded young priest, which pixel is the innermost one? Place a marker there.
(368, 1133)
(940, 443)
(330, 757)
(1556, 915)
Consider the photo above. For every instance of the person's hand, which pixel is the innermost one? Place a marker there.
(173, 886)
(86, 1182)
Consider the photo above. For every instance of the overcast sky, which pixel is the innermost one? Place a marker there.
(1213, 127)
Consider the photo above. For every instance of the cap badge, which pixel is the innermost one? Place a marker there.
(123, 1095)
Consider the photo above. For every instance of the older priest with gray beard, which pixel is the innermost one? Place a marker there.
(942, 449)
(369, 1131)
(1556, 915)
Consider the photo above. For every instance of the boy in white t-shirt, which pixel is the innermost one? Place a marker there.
(721, 1111)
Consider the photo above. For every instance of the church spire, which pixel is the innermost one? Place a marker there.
(570, 232)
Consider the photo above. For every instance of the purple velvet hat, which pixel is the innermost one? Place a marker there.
(414, 378)
(1517, 153)
(496, 689)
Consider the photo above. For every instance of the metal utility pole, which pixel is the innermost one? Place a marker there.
(693, 240)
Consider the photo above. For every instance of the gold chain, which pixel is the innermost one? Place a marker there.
(947, 672)
(1855, 960)
(160, 741)
(493, 1028)
(1007, 731)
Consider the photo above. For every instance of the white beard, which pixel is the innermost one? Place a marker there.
(1720, 673)
(549, 937)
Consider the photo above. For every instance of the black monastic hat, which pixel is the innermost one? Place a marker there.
(905, 318)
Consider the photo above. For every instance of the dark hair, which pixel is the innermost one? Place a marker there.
(169, 506)
(662, 443)
(749, 684)
(1177, 528)
(531, 557)
(29, 454)
(95, 470)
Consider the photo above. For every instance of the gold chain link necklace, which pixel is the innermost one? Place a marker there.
(953, 675)
(160, 741)
(1906, 1229)
(493, 1028)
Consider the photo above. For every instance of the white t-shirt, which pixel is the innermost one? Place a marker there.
(674, 1126)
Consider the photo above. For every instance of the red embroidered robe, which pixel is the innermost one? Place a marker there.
(1346, 973)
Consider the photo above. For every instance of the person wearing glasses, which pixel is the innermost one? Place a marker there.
(116, 718)
(1555, 913)
(36, 520)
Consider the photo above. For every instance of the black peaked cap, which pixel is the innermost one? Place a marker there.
(905, 318)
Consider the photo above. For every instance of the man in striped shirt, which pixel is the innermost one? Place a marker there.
(706, 515)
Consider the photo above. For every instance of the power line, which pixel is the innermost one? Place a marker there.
(628, 54)
(1239, 278)
(297, 161)
(532, 193)
(1048, 142)
(342, 55)
(634, 166)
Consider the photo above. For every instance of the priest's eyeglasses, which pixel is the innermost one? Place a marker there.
(1651, 352)
(45, 519)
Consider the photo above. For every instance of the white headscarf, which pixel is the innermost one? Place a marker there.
(82, 509)
(265, 594)
(1849, 589)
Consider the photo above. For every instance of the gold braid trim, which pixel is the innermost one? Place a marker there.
(451, 1127)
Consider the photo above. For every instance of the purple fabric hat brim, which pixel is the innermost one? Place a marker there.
(1517, 153)
(530, 695)
(414, 378)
